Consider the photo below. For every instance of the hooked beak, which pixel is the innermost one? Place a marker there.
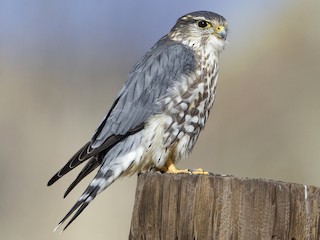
(220, 32)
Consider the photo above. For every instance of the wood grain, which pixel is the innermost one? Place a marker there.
(183, 206)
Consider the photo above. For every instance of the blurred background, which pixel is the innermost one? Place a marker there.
(63, 62)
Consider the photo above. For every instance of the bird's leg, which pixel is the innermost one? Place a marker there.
(171, 168)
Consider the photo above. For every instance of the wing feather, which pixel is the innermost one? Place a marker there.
(149, 80)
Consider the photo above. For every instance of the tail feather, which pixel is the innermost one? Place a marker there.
(88, 168)
(113, 163)
(100, 182)
(83, 205)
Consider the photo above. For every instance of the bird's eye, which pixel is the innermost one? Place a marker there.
(203, 24)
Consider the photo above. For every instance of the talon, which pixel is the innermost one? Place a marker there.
(171, 168)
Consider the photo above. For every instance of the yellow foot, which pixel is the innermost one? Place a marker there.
(171, 168)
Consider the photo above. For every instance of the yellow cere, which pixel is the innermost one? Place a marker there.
(219, 28)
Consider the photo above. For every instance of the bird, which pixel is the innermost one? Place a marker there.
(158, 114)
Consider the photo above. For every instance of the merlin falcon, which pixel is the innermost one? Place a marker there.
(159, 112)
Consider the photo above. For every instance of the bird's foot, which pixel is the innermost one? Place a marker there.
(171, 168)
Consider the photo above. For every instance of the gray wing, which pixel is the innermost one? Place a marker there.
(148, 81)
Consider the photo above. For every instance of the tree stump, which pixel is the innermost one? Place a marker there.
(183, 206)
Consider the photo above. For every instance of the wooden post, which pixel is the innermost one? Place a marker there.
(183, 206)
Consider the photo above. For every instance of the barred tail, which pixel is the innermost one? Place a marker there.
(116, 162)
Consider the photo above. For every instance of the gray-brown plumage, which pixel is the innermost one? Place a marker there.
(160, 111)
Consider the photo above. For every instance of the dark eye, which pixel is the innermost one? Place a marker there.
(203, 24)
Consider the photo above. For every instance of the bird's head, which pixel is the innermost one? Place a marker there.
(198, 29)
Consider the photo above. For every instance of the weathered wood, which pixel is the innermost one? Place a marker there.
(186, 206)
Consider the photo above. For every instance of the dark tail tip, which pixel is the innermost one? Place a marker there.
(52, 180)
